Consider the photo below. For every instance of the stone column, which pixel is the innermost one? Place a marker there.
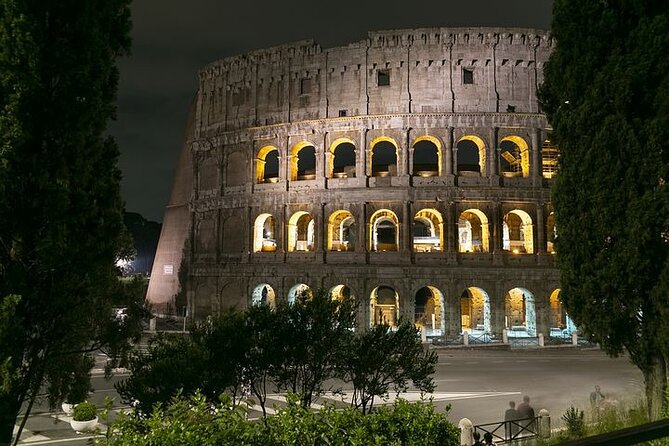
(360, 227)
(498, 310)
(535, 163)
(494, 153)
(405, 228)
(451, 227)
(540, 226)
(454, 152)
(447, 158)
(361, 156)
(410, 150)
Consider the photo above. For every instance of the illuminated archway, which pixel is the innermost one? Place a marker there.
(557, 315)
(303, 161)
(267, 165)
(427, 153)
(342, 159)
(514, 157)
(299, 290)
(429, 310)
(473, 232)
(428, 231)
(520, 318)
(384, 304)
(517, 232)
(549, 159)
(341, 231)
(384, 231)
(340, 292)
(475, 310)
(383, 156)
(471, 156)
(301, 232)
(264, 235)
(551, 233)
(263, 294)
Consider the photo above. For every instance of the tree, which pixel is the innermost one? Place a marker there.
(381, 359)
(606, 94)
(61, 228)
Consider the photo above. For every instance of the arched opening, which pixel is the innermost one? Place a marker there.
(384, 306)
(384, 231)
(341, 231)
(549, 159)
(426, 157)
(267, 165)
(264, 236)
(340, 292)
(551, 233)
(475, 311)
(517, 233)
(473, 232)
(299, 290)
(520, 317)
(427, 231)
(301, 232)
(263, 294)
(383, 157)
(557, 315)
(303, 163)
(342, 158)
(514, 157)
(429, 310)
(471, 156)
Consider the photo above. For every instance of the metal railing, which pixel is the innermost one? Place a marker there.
(507, 431)
(523, 342)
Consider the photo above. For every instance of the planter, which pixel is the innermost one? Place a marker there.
(67, 408)
(84, 426)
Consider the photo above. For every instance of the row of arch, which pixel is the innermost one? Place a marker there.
(383, 155)
(429, 308)
(384, 232)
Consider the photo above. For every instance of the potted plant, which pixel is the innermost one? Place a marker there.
(84, 417)
(75, 394)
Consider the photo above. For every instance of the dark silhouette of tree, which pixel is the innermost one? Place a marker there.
(606, 94)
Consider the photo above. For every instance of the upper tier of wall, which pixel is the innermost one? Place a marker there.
(428, 70)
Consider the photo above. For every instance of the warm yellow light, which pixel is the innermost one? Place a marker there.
(515, 251)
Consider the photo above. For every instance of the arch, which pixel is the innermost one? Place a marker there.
(471, 156)
(473, 231)
(551, 233)
(383, 156)
(263, 294)
(520, 318)
(428, 234)
(233, 235)
(264, 234)
(303, 161)
(267, 165)
(429, 310)
(301, 228)
(205, 235)
(342, 231)
(549, 159)
(517, 232)
(342, 158)
(427, 155)
(384, 305)
(557, 314)
(475, 314)
(299, 290)
(340, 292)
(384, 231)
(236, 173)
(514, 157)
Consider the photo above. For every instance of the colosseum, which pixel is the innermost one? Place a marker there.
(411, 170)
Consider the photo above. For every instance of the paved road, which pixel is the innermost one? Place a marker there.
(477, 383)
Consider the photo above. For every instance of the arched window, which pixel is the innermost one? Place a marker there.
(557, 319)
(520, 317)
(264, 236)
(473, 233)
(514, 157)
(299, 290)
(426, 157)
(342, 159)
(551, 233)
(427, 231)
(384, 303)
(301, 232)
(303, 163)
(341, 231)
(384, 235)
(471, 156)
(383, 157)
(263, 294)
(429, 310)
(517, 232)
(267, 165)
(549, 159)
(340, 292)
(475, 310)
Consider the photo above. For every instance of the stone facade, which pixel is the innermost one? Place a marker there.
(471, 212)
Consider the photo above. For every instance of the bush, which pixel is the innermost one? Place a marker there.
(84, 412)
(574, 421)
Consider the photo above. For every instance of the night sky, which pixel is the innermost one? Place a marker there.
(172, 39)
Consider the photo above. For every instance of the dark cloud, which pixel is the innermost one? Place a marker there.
(172, 39)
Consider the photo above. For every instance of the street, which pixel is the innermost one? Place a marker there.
(478, 384)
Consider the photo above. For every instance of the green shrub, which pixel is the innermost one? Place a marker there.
(574, 421)
(84, 412)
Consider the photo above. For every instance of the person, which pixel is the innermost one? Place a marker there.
(488, 439)
(526, 412)
(477, 439)
(510, 423)
(596, 397)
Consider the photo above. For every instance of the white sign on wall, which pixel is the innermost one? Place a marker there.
(168, 270)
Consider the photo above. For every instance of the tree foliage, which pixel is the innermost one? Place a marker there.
(606, 94)
(60, 208)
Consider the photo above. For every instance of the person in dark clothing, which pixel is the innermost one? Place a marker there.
(488, 439)
(526, 412)
(477, 439)
(510, 418)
